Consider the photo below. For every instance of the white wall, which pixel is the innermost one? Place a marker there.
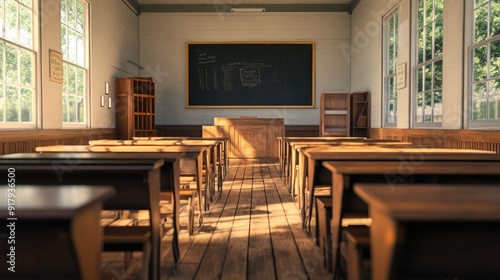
(163, 38)
(366, 58)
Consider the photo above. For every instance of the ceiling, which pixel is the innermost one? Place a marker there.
(227, 5)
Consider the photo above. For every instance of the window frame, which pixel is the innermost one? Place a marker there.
(34, 50)
(416, 65)
(469, 47)
(394, 12)
(86, 69)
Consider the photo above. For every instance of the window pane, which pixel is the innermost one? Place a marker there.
(421, 45)
(438, 74)
(81, 110)
(71, 46)
(495, 18)
(72, 108)
(27, 66)
(392, 89)
(26, 105)
(64, 12)
(494, 100)
(421, 14)
(438, 38)
(71, 80)
(481, 23)
(11, 67)
(79, 16)
(419, 110)
(2, 19)
(428, 107)
(80, 51)
(2, 103)
(428, 42)
(391, 111)
(480, 63)
(479, 102)
(428, 78)
(481, 2)
(420, 79)
(65, 108)
(26, 28)
(438, 106)
(64, 42)
(2, 50)
(12, 96)
(428, 12)
(438, 8)
(11, 27)
(80, 82)
(495, 59)
(27, 3)
(71, 13)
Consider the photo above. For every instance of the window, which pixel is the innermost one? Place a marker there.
(484, 53)
(428, 71)
(17, 64)
(74, 45)
(390, 60)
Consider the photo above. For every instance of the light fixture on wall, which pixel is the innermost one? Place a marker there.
(248, 9)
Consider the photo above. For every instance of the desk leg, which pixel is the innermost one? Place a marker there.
(336, 224)
(199, 172)
(311, 185)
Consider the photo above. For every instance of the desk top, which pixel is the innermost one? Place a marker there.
(80, 158)
(417, 167)
(393, 153)
(154, 142)
(124, 149)
(51, 202)
(433, 201)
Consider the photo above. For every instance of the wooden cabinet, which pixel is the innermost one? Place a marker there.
(334, 114)
(360, 114)
(135, 107)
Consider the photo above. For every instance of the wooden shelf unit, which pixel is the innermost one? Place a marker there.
(135, 107)
(360, 114)
(334, 114)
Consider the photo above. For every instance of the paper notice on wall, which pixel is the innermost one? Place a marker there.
(56, 66)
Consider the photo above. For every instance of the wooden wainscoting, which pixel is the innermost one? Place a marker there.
(25, 141)
(446, 138)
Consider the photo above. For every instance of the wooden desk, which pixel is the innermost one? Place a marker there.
(55, 231)
(223, 149)
(347, 173)
(294, 147)
(284, 146)
(135, 177)
(213, 161)
(196, 153)
(434, 231)
(312, 173)
(201, 152)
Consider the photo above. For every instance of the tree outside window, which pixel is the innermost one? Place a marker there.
(428, 72)
(17, 64)
(485, 59)
(390, 61)
(74, 49)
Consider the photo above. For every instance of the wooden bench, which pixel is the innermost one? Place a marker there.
(51, 238)
(135, 177)
(434, 231)
(393, 173)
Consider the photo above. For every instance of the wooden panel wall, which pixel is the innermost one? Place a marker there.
(447, 138)
(27, 141)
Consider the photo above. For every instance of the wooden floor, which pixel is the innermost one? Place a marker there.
(253, 231)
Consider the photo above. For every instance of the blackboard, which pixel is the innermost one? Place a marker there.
(250, 75)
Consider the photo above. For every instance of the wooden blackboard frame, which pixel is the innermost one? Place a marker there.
(301, 95)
